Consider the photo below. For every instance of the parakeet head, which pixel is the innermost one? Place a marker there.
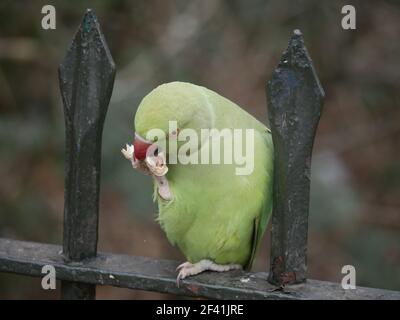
(179, 102)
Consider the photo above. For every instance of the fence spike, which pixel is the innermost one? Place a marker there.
(295, 97)
(86, 80)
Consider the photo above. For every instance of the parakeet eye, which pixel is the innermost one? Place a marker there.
(156, 152)
(174, 133)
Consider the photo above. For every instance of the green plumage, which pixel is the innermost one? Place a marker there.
(214, 214)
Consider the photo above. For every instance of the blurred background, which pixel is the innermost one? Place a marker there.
(231, 47)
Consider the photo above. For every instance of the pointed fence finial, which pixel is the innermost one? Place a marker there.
(86, 82)
(295, 98)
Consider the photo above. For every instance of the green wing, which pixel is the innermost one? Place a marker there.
(261, 222)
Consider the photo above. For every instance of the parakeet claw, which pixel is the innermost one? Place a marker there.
(187, 269)
(129, 152)
(154, 165)
(182, 265)
(157, 164)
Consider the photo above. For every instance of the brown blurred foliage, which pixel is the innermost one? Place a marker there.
(230, 47)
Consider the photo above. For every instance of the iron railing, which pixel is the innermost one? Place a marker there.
(295, 99)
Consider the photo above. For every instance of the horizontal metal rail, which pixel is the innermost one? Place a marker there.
(151, 274)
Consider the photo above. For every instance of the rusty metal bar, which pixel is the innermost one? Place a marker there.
(86, 81)
(295, 97)
(28, 258)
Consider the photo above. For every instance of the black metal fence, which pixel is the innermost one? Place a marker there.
(295, 99)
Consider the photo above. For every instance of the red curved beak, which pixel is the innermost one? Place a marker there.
(141, 146)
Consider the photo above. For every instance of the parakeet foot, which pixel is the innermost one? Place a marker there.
(187, 269)
(129, 154)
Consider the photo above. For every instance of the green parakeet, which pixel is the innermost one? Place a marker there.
(214, 215)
